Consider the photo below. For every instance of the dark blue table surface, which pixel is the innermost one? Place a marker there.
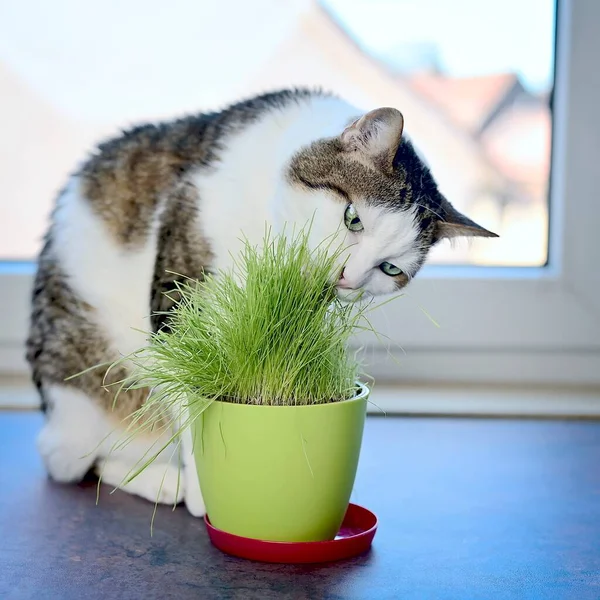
(468, 509)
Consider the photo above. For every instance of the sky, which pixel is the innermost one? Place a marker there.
(102, 60)
(117, 59)
(472, 36)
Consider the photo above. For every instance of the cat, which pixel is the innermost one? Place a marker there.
(175, 197)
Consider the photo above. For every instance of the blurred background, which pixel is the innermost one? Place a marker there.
(473, 82)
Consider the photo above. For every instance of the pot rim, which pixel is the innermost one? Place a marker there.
(363, 392)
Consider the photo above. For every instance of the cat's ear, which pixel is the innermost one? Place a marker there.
(375, 136)
(455, 224)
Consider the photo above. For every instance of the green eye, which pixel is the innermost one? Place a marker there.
(351, 219)
(390, 269)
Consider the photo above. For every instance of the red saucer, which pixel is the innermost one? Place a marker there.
(355, 537)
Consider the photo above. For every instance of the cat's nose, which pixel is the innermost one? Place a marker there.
(343, 283)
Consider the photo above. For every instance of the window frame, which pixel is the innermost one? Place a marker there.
(497, 325)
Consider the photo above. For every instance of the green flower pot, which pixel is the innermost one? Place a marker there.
(279, 473)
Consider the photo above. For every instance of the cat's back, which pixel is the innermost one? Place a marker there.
(125, 178)
(131, 211)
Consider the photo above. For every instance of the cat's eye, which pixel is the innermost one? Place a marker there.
(351, 219)
(390, 269)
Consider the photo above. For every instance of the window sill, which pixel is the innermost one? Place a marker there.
(439, 400)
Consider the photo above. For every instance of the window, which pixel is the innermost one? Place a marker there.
(477, 107)
(475, 82)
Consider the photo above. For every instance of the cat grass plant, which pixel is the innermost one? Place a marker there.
(249, 354)
(279, 339)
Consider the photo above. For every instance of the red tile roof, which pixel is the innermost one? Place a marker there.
(467, 101)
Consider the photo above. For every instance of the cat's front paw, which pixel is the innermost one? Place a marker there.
(66, 454)
(193, 496)
(195, 504)
(157, 482)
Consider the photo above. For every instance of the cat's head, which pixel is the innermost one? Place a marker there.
(371, 185)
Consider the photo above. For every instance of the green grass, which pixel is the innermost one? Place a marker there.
(279, 339)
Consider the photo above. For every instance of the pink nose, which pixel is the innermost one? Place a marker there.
(342, 283)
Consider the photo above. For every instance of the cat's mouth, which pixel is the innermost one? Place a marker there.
(345, 291)
(350, 295)
(333, 292)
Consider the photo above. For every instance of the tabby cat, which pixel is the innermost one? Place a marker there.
(175, 197)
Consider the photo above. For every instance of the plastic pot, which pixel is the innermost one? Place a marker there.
(279, 473)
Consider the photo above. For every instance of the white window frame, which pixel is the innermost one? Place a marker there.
(498, 325)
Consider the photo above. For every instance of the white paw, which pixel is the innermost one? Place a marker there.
(158, 482)
(163, 484)
(193, 496)
(65, 457)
